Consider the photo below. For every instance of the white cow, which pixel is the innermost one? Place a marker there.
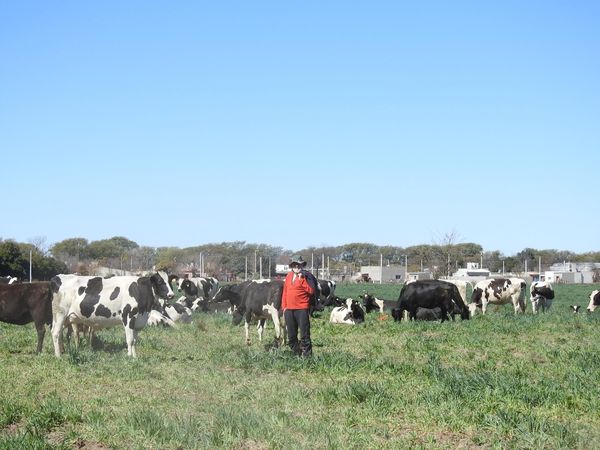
(498, 291)
(541, 295)
(105, 302)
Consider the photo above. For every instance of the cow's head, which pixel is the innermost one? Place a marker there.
(594, 301)
(189, 288)
(474, 308)
(161, 286)
(574, 308)
(369, 303)
(358, 313)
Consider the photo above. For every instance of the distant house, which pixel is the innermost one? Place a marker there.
(385, 274)
(472, 273)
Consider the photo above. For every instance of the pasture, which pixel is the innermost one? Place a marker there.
(496, 381)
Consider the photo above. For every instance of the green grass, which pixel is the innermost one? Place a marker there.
(496, 381)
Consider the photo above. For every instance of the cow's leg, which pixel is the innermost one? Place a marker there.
(260, 327)
(131, 337)
(444, 313)
(246, 325)
(275, 317)
(483, 307)
(40, 327)
(412, 313)
(57, 325)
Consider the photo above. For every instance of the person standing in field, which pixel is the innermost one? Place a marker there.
(295, 302)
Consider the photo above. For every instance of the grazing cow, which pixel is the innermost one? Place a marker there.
(430, 294)
(372, 303)
(541, 295)
(498, 291)
(102, 303)
(23, 303)
(351, 313)
(594, 301)
(575, 308)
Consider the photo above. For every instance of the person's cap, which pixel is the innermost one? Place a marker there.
(297, 261)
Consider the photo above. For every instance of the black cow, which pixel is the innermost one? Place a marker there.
(430, 294)
(21, 304)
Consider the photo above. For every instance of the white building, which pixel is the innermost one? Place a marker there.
(385, 274)
(472, 273)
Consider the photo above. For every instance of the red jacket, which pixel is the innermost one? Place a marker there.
(296, 294)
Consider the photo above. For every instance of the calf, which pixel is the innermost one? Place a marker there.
(351, 313)
(594, 301)
(21, 304)
(541, 295)
(498, 291)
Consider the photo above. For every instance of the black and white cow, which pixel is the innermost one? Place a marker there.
(498, 291)
(594, 301)
(207, 287)
(105, 302)
(351, 313)
(326, 290)
(23, 303)
(541, 296)
(372, 303)
(575, 308)
(258, 299)
(430, 294)
(191, 298)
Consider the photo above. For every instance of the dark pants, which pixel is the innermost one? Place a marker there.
(294, 319)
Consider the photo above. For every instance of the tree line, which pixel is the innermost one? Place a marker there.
(233, 260)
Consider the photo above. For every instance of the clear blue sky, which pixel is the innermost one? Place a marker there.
(301, 124)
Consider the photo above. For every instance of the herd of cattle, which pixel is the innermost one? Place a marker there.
(89, 303)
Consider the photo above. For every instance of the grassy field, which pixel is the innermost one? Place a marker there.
(496, 381)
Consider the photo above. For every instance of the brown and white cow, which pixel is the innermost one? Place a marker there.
(498, 291)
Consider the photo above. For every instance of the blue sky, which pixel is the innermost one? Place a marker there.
(301, 124)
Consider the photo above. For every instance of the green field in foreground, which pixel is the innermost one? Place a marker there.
(496, 381)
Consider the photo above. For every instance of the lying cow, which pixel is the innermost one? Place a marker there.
(498, 291)
(351, 313)
(594, 301)
(430, 294)
(21, 304)
(541, 295)
(372, 303)
(102, 303)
